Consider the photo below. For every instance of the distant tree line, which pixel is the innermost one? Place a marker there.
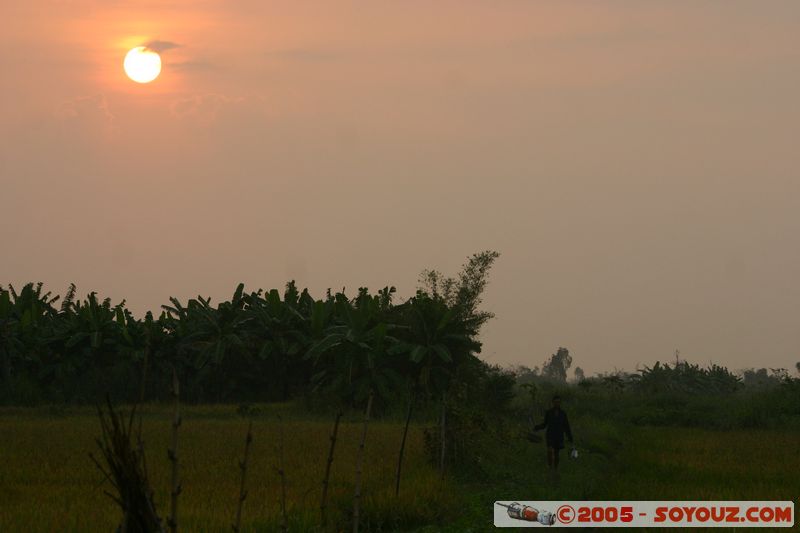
(671, 394)
(680, 377)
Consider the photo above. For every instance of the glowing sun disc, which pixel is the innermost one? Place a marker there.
(142, 65)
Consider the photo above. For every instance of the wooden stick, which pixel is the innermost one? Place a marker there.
(359, 465)
(324, 503)
(142, 385)
(172, 453)
(443, 434)
(243, 468)
(282, 474)
(411, 401)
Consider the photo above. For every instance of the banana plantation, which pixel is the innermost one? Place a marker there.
(264, 345)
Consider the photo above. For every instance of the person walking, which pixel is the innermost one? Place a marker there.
(557, 424)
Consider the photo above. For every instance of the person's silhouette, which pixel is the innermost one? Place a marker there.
(557, 424)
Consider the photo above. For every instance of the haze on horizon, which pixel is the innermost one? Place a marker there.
(635, 163)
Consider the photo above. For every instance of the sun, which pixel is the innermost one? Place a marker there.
(142, 65)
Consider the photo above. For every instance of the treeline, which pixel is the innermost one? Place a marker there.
(677, 394)
(257, 346)
(681, 377)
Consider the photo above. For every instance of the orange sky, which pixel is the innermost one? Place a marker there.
(634, 162)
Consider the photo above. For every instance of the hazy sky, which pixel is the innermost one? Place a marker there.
(635, 162)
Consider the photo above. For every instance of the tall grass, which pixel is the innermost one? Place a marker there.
(692, 464)
(49, 484)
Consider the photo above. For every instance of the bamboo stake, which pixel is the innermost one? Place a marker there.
(172, 453)
(411, 402)
(243, 468)
(142, 385)
(359, 465)
(142, 388)
(443, 434)
(324, 503)
(282, 474)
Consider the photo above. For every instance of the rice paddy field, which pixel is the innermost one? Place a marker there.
(691, 464)
(48, 483)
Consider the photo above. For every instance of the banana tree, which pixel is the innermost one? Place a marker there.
(86, 341)
(353, 357)
(25, 320)
(279, 334)
(219, 334)
(11, 345)
(432, 338)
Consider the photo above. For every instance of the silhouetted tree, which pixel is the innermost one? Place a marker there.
(464, 293)
(556, 368)
(253, 347)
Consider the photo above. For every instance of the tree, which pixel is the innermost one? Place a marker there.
(556, 368)
(684, 377)
(757, 378)
(579, 375)
(432, 339)
(278, 331)
(353, 358)
(464, 296)
(90, 351)
(253, 346)
(349, 356)
(219, 335)
(11, 345)
(465, 292)
(26, 320)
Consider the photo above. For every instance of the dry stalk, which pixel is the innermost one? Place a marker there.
(324, 503)
(360, 465)
(142, 385)
(282, 473)
(243, 468)
(411, 402)
(172, 453)
(443, 434)
(124, 467)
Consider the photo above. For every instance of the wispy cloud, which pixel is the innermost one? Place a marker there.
(311, 55)
(161, 46)
(86, 114)
(191, 66)
(203, 109)
(96, 105)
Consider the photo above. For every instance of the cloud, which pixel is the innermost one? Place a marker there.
(192, 66)
(86, 114)
(161, 46)
(83, 106)
(203, 109)
(309, 55)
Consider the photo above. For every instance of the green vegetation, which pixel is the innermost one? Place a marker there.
(352, 413)
(343, 353)
(50, 484)
(258, 346)
(692, 464)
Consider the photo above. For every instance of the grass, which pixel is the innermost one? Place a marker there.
(622, 462)
(691, 464)
(49, 484)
